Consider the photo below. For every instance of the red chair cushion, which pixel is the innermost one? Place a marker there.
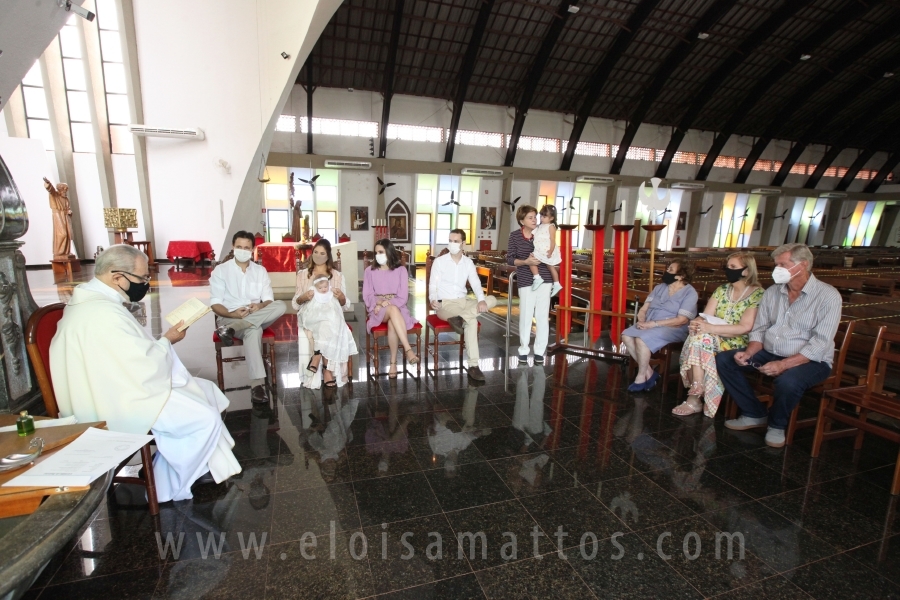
(267, 334)
(382, 329)
(46, 329)
(436, 322)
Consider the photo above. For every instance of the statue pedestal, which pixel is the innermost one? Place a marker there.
(65, 267)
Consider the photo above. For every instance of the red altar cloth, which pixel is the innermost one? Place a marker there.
(196, 251)
(277, 258)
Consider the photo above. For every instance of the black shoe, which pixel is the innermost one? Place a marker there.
(458, 325)
(226, 335)
(523, 358)
(258, 395)
(475, 374)
(538, 360)
(204, 479)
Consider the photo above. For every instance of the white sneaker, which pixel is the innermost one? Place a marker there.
(742, 423)
(537, 283)
(557, 288)
(775, 437)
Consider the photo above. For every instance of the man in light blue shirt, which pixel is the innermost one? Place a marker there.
(792, 340)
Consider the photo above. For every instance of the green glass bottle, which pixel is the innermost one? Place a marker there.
(25, 424)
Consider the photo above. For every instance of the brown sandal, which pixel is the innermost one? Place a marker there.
(415, 357)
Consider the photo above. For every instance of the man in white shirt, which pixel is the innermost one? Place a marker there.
(242, 298)
(447, 290)
(106, 367)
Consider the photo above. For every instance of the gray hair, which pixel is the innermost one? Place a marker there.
(799, 252)
(120, 257)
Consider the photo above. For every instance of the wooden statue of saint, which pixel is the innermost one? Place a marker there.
(296, 215)
(62, 220)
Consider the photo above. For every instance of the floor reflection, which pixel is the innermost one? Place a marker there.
(531, 450)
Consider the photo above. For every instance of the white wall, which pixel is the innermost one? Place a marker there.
(232, 86)
(28, 164)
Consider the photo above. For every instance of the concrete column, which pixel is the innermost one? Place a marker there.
(125, 9)
(768, 221)
(835, 208)
(611, 204)
(58, 110)
(695, 205)
(96, 93)
(14, 114)
(888, 222)
(504, 216)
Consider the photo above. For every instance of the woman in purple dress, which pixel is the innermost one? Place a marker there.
(385, 291)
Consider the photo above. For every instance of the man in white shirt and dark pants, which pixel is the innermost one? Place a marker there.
(447, 290)
(242, 298)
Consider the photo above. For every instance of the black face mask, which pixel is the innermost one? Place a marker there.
(136, 291)
(734, 275)
(668, 278)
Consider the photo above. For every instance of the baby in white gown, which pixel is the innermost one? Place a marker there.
(322, 320)
(546, 250)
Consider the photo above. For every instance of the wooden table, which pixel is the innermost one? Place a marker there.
(15, 501)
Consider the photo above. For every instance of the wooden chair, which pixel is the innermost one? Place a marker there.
(866, 400)
(268, 341)
(435, 324)
(845, 339)
(373, 349)
(39, 332)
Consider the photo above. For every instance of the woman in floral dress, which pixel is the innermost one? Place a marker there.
(735, 303)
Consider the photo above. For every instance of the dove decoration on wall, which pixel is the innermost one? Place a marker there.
(651, 198)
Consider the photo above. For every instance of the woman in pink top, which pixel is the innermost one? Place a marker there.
(385, 292)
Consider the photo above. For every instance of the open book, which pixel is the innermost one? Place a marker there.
(189, 312)
(713, 320)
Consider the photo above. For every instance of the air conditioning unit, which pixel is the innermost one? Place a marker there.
(832, 195)
(185, 134)
(483, 172)
(595, 179)
(687, 185)
(347, 164)
(766, 191)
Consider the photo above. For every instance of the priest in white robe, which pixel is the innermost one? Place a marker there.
(106, 367)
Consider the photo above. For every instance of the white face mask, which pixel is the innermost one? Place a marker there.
(782, 275)
(381, 259)
(454, 247)
(242, 255)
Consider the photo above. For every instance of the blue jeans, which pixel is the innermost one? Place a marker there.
(789, 386)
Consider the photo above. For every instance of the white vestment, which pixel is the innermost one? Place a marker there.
(106, 367)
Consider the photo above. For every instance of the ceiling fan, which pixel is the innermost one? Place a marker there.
(781, 216)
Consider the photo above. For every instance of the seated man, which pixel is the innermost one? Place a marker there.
(241, 296)
(447, 290)
(792, 340)
(106, 367)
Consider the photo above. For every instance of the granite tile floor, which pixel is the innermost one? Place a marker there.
(544, 481)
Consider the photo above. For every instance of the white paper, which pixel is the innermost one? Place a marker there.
(713, 320)
(42, 423)
(91, 455)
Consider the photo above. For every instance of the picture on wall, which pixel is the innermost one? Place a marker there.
(399, 221)
(682, 221)
(399, 229)
(757, 222)
(359, 218)
(488, 217)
